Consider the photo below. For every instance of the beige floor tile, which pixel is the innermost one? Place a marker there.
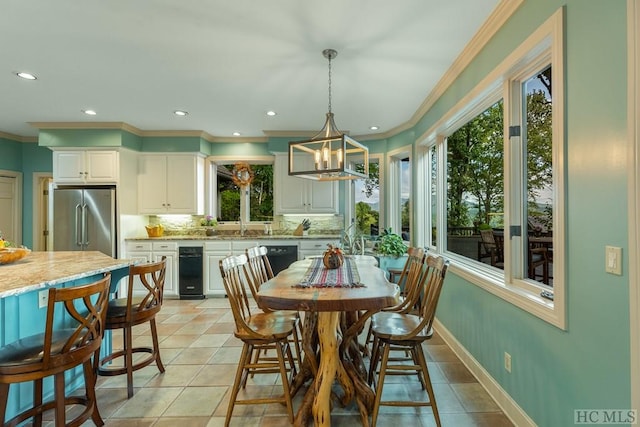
(196, 402)
(194, 356)
(193, 328)
(456, 372)
(179, 341)
(226, 355)
(174, 376)
(182, 422)
(475, 398)
(215, 375)
(210, 340)
(148, 402)
(221, 328)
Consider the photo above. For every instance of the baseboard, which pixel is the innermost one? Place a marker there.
(510, 408)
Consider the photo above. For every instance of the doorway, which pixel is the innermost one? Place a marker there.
(11, 206)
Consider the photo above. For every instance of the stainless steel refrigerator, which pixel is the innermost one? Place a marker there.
(84, 219)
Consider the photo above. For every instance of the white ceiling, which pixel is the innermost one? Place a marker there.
(227, 62)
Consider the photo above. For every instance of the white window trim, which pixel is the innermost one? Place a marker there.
(350, 197)
(211, 178)
(546, 43)
(393, 200)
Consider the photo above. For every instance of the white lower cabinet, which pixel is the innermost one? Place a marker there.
(307, 248)
(213, 253)
(146, 251)
(170, 250)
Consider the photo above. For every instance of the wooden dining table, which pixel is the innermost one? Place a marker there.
(335, 315)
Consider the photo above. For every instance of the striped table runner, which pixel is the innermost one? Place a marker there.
(318, 276)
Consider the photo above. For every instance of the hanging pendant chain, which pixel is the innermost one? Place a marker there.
(329, 83)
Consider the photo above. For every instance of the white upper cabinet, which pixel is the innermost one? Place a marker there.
(171, 183)
(85, 167)
(299, 195)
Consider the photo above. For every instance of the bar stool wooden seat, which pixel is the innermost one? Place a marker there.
(57, 350)
(258, 332)
(407, 331)
(124, 313)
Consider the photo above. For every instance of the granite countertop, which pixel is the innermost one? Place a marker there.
(237, 237)
(39, 270)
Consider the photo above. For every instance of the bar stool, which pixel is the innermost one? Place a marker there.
(58, 349)
(124, 313)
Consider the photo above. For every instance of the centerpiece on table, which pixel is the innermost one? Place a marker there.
(210, 223)
(332, 257)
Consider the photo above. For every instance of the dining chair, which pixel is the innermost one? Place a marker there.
(56, 351)
(407, 331)
(257, 332)
(257, 272)
(538, 256)
(125, 313)
(408, 281)
(493, 247)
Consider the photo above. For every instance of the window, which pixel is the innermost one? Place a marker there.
(367, 200)
(232, 203)
(399, 192)
(494, 167)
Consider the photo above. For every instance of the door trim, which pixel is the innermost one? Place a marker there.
(17, 211)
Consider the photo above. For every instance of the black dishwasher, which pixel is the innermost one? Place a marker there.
(281, 257)
(190, 281)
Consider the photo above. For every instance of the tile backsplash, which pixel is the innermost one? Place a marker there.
(281, 225)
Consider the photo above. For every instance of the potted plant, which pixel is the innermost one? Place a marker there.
(390, 250)
(210, 223)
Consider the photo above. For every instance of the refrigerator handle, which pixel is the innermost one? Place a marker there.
(85, 225)
(77, 226)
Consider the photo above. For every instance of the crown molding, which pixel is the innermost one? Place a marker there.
(491, 26)
(18, 138)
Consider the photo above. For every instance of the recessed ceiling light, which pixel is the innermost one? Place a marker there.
(89, 112)
(237, 134)
(26, 76)
(180, 113)
(374, 128)
(271, 113)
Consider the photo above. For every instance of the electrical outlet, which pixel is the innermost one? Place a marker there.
(43, 299)
(507, 362)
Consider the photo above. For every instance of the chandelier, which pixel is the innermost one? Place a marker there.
(330, 155)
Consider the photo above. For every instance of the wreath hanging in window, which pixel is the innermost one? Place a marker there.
(242, 175)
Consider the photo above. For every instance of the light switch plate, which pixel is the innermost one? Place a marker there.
(613, 260)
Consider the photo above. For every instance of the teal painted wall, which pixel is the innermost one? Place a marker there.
(10, 155)
(26, 158)
(588, 365)
(80, 138)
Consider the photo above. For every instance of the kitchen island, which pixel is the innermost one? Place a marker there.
(24, 287)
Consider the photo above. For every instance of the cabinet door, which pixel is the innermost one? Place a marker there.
(322, 197)
(182, 186)
(289, 191)
(68, 166)
(102, 166)
(152, 184)
(212, 277)
(138, 288)
(170, 279)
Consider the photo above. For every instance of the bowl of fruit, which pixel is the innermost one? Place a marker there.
(11, 253)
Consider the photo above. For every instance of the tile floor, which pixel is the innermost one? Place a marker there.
(200, 354)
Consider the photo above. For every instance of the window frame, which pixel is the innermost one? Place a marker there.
(394, 193)
(543, 48)
(350, 197)
(211, 177)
